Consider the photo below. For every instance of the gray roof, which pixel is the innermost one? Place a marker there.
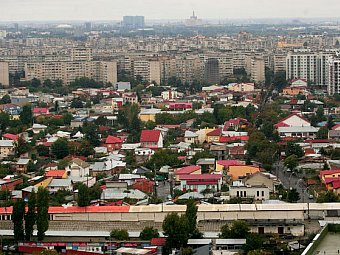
(6, 143)
(230, 241)
(60, 183)
(23, 161)
(109, 194)
(298, 129)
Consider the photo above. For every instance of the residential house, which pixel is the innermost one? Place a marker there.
(207, 164)
(78, 168)
(328, 174)
(129, 178)
(37, 128)
(235, 124)
(21, 165)
(60, 184)
(223, 165)
(109, 167)
(144, 185)
(256, 192)
(219, 151)
(293, 120)
(151, 139)
(6, 148)
(113, 143)
(242, 87)
(10, 183)
(214, 136)
(40, 111)
(262, 179)
(8, 136)
(190, 137)
(201, 182)
(298, 132)
(240, 172)
(187, 170)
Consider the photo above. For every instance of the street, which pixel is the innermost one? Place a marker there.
(292, 180)
(163, 190)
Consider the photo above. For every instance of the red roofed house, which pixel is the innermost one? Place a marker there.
(200, 182)
(235, 124)
(187, 170)
(334, 186)
(225, 164)
(326, 174)
(40, 111)
(214, 136)
(8, 136)
(113, 143)
(293, 120)
(227, 139)
(151, 139)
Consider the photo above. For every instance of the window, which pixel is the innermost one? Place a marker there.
(258, 193)
(263, 193)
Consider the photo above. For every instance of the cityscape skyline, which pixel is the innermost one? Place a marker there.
(38, 10)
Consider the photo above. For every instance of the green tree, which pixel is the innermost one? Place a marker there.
(42, 212)
(253, 242)
(120, 234)
(294, 148)
(176, 231)
(30, 216)
(148, 233)
(91, 133)
(43, 151)
(6, 99)
(83, 195)
(26, 115)
(327, 197)
(293, 196)
(291, 162)
(4, 121)
(67, 118)
(238, 229)
(48, 252)
(77, 103)
(86, 148)
(17, 219)
(60, 148)
(21, 146)
(162, 158)
(128, 118)
(322, 133)
(191, 214)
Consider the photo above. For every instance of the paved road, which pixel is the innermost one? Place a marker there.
(291, 180)
(163, 190)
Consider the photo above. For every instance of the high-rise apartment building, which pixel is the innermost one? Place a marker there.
(255, 67)
(149, 70)
(333, 75)
(211, 71)
(133, 22)
(4, 74)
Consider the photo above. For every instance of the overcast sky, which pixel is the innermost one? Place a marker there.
(23, 10)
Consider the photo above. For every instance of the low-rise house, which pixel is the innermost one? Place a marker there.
(8, 136)
(151, 139)
(129, 178)
(293, 120)
(223, 165)
(78, 168)
(115, 194)
(262, 179)
(327, 174)
(10, 183)
(207, 164)
(334, 135)
(40, 111)
(60, 184)
(144, 185)
(190, 137)
(240, 172)
(37, 128)
(6, 148)
(298, 131)
(201, 182)
(109, 167)
(235, 124)
(21, 165)
(256, 192)
(113, 143)
(186, 171)
(214, 136)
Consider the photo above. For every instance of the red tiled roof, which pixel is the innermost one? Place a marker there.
(103, 128)
(159, 241)
(150, 135)
(55, 173)
(203, 177)
(11, 136)
(113, 140)
(40, 110)
(202, 182)
(331, 179)
(327, 172)
(225, 139)
(216, 132)
(309, 151)
(336, 184)
(227, 163)
(188, 170)
(336, 127)
(73, 157)
(317, 141)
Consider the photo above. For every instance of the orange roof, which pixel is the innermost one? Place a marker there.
(237, 172)
(55, 173)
